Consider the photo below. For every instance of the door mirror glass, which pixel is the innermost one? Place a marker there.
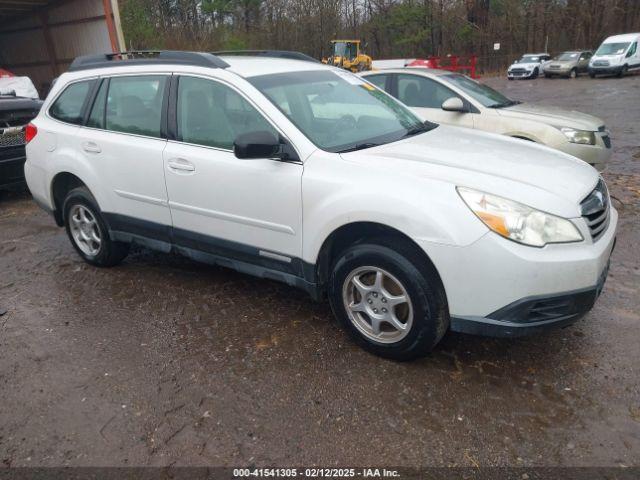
(258, 144)
(453, 104)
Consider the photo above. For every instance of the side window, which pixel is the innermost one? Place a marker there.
(418, 91)
(379, 81)
(97, 117)
(632, 50)
(213, 115)
(134, 104)
(68, 106)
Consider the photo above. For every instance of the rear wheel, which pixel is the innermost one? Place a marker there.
(88, 231)
(391, 303)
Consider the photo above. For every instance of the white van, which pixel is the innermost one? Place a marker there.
(617, 55)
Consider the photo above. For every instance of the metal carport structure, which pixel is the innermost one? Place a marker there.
(40, 38)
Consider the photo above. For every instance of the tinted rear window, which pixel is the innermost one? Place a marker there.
(68, 106)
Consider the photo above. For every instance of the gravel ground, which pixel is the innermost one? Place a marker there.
(162, 361)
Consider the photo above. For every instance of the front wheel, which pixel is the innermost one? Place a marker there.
(623, 71)
(535, 73)
(88, 231)
(388, 299)
(573, 73)
(592, 75)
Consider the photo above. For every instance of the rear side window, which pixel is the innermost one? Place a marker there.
(134, 105)
(378, 80)
(97, 117)
(417, 91)
(68, 106)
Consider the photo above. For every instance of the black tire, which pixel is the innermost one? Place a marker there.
(509, 78)
(419, 279)
(546, 75)
(623, 71)
(110, 252)
(535, 73)
(573, 73)
(592, 75)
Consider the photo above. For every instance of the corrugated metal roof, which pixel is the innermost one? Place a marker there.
(11, 9)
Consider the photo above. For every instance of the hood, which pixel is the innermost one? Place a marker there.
(532, 174)
(563, 63)
(554, 116)
(525, 65)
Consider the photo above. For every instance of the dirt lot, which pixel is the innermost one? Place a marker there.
(164, 361)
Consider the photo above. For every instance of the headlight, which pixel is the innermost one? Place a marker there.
(518, 222)
(583, 137)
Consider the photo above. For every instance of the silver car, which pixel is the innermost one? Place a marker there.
(568, 64)
(451, 98)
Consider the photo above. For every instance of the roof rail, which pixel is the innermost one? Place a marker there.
(147, 57)
(290, 55)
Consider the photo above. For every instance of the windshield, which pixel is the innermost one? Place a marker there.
(567, 56)
(338, 111)
(529, 59)
(612, 48)
(487, 96)
(344, 49)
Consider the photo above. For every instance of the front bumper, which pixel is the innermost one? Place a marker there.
(495, 286)
(12, 166)
(558, 71)
(605, 70)
(596, 155)
(534, 314)
(520, 74)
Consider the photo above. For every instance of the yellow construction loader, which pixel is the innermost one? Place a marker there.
(347, 54)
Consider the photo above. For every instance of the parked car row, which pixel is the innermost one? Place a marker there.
(617, 55)
(454, 99)
(304, 173)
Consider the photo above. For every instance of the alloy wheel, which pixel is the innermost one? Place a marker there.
(377, 304)
(85, 230)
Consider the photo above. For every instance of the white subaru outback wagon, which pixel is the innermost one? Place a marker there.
(296, 171)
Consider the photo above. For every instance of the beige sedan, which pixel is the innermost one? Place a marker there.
(451, 98)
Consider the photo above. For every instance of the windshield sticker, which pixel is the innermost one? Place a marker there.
(350, 77)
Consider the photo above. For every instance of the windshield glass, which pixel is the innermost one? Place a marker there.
(487, 96)
(529, 59)
(567, 56)
(612, 48)
(343, 49)
(338, 111)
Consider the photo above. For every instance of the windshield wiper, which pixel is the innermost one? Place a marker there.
(421, 128)
(508, 103)
(359, 146)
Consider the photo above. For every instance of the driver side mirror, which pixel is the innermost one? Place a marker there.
(262, 144)
(453, 104)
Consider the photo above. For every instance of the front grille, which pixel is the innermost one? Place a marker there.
(12, 138)
(601, 63)
(596, 209)
(518, 71)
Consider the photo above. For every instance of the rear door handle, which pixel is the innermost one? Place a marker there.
(182, 165)
(91, 147)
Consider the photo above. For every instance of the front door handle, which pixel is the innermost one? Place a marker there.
(91, 147)
(181, 165)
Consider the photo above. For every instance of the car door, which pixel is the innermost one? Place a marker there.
(122, 143)
(247, 210)
(583, 62)
(425, 96)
